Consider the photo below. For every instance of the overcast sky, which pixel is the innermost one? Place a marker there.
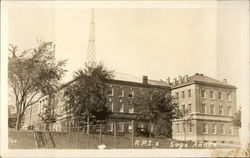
(154, 42)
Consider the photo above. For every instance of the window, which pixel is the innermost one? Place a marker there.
(214, 128)
(212, 94)
(189, 108)
(122, 107)
(178, 128)
(184, 127)
(229, 110)
(203, 108)
(177, 95)
(190, 126)
(183, 109)
(140, 126)
(112, 107)
(110, 127)
(220, 95)
(222, 128)
(111, 91)
(131, 94)
(120, 127)
(203, 93)
(212, 109)
(205, 128)
(189, 93)
(229, 96)
(230, 129)
(183, 94)
(131, 110)
(220, 109)
(130, 128)
(121, 93)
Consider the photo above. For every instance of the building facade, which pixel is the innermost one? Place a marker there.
(120, 92)
(208, 106)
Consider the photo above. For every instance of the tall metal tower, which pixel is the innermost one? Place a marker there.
(91, 41)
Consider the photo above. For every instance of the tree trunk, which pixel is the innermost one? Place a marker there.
(88, 124)
(151, 130)
(18, 122)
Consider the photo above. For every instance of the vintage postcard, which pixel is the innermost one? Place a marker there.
(125, 79)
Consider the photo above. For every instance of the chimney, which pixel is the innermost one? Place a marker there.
(225, 81)
(185, 78)
(180, 79)
(145, 79)
(168, 81)
(175, 81)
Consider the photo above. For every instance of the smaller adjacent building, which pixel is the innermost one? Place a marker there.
(208, 105)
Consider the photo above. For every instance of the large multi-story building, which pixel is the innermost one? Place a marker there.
(208, 106)
(121, 90)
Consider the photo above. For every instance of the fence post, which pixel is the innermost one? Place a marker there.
(133, 133)
(78, 137)
(114, 125)
(100, 133)
(88, 136)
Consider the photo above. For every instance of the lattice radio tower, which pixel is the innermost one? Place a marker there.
(91, 42)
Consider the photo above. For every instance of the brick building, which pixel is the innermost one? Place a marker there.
(121, 90)
(208, 105)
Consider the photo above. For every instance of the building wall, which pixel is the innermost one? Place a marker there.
(118, 102)
(208, 116)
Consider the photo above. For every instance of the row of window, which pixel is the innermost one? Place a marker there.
(183, 94)
(121, 108)
(203, 94)
(189, 127)
(186, 110)
(219, 95)
(213, 111)
(121, 93)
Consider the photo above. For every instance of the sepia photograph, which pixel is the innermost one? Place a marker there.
(125, 78)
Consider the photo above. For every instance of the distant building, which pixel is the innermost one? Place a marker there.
(208, 105)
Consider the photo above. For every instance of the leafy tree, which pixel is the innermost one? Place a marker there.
(31, 73)
(87, 95)
(237, 118)
(158, 108)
